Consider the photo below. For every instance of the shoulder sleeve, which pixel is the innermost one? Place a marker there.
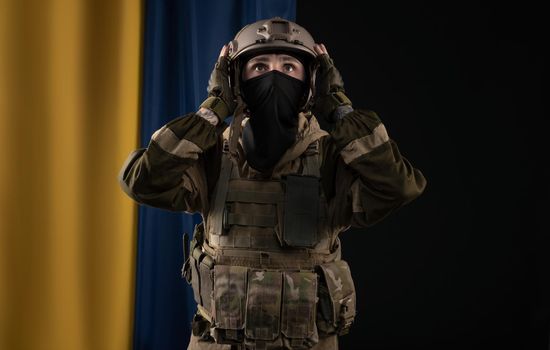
(171, 173)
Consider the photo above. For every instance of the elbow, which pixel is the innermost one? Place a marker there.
(408, 196)
(124, 177)
(411, 188)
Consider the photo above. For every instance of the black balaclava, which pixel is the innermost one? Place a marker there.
(273, 99)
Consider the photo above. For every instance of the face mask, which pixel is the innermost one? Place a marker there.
(274, 100)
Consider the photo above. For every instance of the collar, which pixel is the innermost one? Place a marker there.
(309, 131)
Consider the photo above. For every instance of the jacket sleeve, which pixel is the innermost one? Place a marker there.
(371, 178)
(170, 172)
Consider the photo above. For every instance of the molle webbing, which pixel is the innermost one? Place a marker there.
(253, 203)
(255, 197)
(255, 191)
(256, 238)
(251, 220)
(288, 259)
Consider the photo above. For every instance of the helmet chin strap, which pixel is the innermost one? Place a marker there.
(309, 101)
(236, 128)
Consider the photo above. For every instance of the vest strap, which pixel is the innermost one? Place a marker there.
(255, 197)
(216, 225)
(251, 220)
(311, 160)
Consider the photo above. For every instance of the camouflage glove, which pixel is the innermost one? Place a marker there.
(330, 99)
(220, 96)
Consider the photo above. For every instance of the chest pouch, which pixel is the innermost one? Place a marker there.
(301, 211)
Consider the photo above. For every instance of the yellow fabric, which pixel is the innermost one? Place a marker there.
(69, 100)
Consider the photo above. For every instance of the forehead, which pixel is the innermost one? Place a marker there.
(273, 57)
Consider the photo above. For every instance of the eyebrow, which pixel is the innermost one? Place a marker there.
(259, 59)
(290, 58)
(284, 58)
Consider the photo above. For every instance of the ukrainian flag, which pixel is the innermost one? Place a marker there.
(82, 84)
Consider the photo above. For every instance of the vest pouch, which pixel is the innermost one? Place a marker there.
(190, 262)
(298, 310)
(263, 305)
(200, 266)
(336, 309)
(206, 265)
(195, 274)
(301, 211)
(229, 303)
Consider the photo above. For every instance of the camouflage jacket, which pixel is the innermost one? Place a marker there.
(363, 174)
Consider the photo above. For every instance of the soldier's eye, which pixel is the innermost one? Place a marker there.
(260, 67)
(289, 67)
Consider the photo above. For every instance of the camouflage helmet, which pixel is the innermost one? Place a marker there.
(275, 34)
(272, 35)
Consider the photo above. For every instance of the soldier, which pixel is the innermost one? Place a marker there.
(274, 190)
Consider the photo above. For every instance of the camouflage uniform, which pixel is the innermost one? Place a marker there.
(265, 264)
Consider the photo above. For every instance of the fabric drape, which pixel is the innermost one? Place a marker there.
(69, 107)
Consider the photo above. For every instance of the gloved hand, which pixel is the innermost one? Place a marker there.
(330, 100)
(220, 96)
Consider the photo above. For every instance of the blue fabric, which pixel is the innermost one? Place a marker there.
(182, 40)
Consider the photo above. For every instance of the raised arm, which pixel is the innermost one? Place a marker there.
(367, 176)
(379, 178)
(173, 171)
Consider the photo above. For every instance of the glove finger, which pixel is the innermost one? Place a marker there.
(324, 60)
(219, 78)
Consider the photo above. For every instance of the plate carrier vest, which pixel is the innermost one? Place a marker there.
(265, 267)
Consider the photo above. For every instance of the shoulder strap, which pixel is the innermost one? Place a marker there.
(311, 160)
(221, 192)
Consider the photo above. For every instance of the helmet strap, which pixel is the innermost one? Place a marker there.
(311, 93)
(236, 128)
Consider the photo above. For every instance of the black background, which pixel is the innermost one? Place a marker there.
(459, 89)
